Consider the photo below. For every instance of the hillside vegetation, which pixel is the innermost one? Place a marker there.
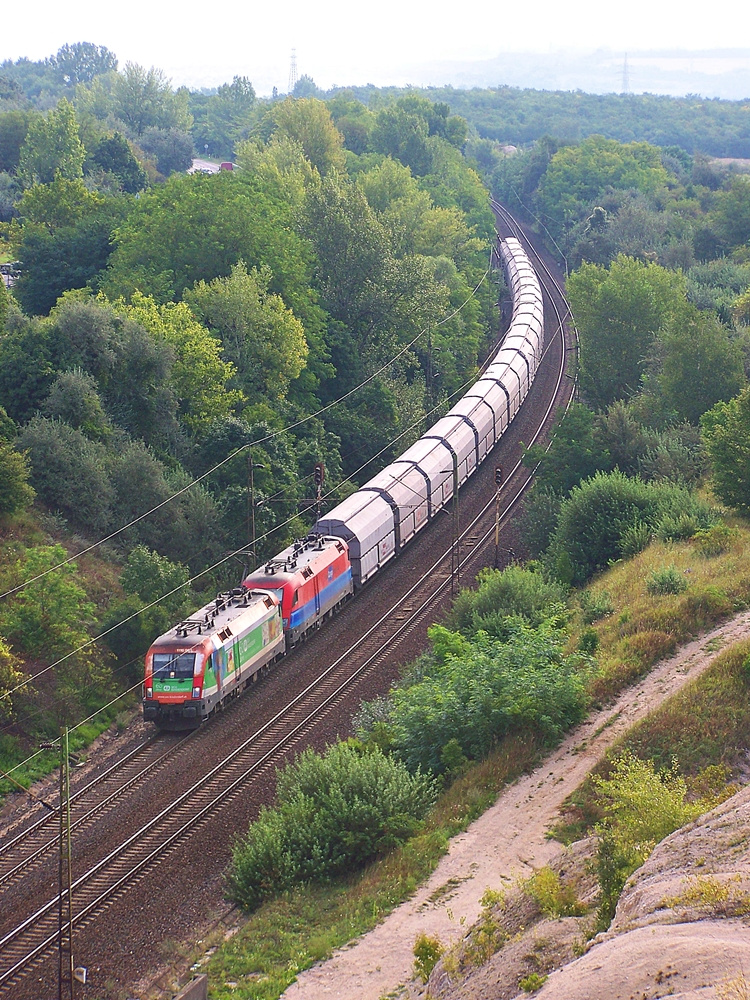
(178, 351)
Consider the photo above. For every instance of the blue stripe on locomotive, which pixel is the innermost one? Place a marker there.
(327, 595)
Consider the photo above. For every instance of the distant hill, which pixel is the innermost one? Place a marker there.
(721, 73)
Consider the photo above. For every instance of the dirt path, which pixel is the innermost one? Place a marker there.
(507, 842)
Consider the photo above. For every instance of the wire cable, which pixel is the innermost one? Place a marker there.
(253, 444)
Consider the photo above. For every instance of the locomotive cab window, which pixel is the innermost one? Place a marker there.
(173, 665)
(295, 598)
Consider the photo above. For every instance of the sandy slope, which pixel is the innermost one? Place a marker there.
(506, 842)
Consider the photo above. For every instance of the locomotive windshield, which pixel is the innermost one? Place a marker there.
(178, 665)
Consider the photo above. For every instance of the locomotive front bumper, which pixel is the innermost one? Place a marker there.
(176, 714)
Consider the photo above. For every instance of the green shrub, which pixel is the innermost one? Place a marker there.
(641, 806)
(714, 541)
(532, 982)
(427, 951)
(610, 511)
(667, 580)
(480, 690)
(503, 593)
(635, 539)
(553, 898)
(588, 643)
(333, 813)
(595, 605)
(675, 529)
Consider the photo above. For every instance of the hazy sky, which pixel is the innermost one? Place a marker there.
(202, 43)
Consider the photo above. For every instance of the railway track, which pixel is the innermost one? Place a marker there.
(250, 763)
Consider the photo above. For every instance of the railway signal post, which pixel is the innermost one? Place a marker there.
(66, 974)
(498, 484)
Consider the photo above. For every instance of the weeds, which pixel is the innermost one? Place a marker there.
(666, 580)
(708, 893)
(427, 952)
(532, 982)
(553, 897)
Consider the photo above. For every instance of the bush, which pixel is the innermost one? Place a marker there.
(427, 951)
(667, 580)
(333, 812)
(541, 508)
(714, 541)
(69, 472)
(608, 510)
(15, 492)
(635, 539)
(595, 605)
(503, 593)
(553, 898)
(676, 529)
(641, 806)
(479, 691)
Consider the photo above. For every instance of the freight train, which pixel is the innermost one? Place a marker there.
(208, 659)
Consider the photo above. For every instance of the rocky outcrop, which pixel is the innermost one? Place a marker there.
(682, 928)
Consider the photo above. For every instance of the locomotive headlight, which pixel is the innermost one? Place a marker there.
(149, 692)
(196, 692)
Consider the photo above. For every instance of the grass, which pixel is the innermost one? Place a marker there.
(644, 627)
(705, 727)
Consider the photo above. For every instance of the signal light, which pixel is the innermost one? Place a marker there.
(499, 475)
(319, 474)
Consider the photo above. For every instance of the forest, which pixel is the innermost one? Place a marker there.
(188, 346)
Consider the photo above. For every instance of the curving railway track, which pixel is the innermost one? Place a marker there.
(152, 834)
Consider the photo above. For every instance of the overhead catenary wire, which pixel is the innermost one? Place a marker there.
(216, 565)
(251, 444)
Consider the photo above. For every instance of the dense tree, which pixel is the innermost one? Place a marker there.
(696, 352)
(144, 99)
(11, 678)
(82, 61)
(15, 492)
(732, 213)
(726, 430)
(577, 176)
(575, 452)
(74, 398)
(403, 134)
(199, 376)
(260, 335)
(27, 370)
(619, 312)
(14, 127)
(68, 472)
(63, 242)
(52, 147)
(380, 298)
(197, 228)
(308, 122)
(49, 619)
(171, 148)
(353, 120)
(225, 118)
(114, 155)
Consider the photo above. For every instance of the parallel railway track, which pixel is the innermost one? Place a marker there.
(248, 766)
